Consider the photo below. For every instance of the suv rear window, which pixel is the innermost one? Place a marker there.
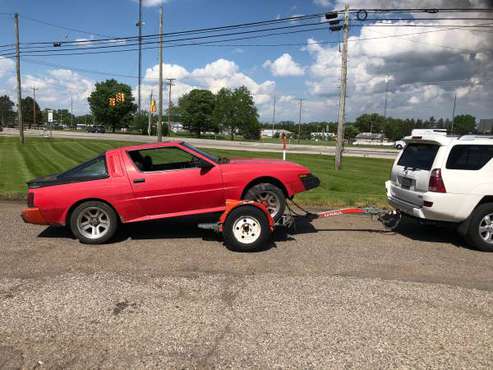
(469, 157)
(419, 156)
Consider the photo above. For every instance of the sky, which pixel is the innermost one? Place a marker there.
(421, 72)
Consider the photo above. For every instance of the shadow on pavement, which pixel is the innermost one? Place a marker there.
(186, 227)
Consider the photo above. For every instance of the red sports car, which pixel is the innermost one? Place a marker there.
(155, 181)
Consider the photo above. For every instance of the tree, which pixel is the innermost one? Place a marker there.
(464, 124)
(196, 110)
(245, 113)
(115, 116)
(370, 122)
(6, 112)
(223, 114)
(350, 132)
(27, 111)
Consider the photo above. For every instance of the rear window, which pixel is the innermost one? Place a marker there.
(469, 157)
(93, 169)
(419, 156)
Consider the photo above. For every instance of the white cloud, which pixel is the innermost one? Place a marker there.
(284, 66)
(169, 71)
(6, 66)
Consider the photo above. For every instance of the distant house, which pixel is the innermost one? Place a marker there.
(485, 126)
(369, 138)
(322, 135)
(275, 132)
(176, 127)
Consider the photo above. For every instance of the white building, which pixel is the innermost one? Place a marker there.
(322, 135)
(369, 138)
(275, 132)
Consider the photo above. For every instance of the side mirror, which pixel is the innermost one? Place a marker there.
(200, 163)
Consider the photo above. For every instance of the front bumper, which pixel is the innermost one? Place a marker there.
(33, 216)
(310, 181)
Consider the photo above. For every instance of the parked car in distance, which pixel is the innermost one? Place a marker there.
(447, 179)
(96, 129)
(156, 181)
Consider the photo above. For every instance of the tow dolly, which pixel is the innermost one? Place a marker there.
(247, 225)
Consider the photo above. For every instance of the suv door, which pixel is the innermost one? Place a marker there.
(168, 181)
(411, 173)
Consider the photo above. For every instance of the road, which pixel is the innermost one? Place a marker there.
(340, 293)
(388, 153)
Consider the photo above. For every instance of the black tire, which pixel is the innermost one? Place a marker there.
(255, 217)
(79, 214)
(473, 235)
(258, 191)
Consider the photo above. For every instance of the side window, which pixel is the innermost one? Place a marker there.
(95, 168)
(162, 159)
(469, 157)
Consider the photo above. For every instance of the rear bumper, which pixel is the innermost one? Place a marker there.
(33, 216)
(310, 182)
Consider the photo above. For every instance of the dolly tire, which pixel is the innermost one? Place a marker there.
(246, 229)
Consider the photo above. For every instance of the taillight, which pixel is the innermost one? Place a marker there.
(436, 182)
(30, 200)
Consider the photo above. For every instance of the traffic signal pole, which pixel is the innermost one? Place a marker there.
(18, 72)
(160, 108)
(342, 97)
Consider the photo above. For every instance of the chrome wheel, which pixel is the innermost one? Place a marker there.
(270, 201)
(486, 228)
(246, 229)
(93, 223)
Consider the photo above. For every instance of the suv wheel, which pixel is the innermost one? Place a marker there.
(480, 232)
(269, 195)
(93, 222)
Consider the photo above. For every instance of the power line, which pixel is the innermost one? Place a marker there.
(62, 27)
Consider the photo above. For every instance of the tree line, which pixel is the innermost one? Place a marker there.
(392, 128)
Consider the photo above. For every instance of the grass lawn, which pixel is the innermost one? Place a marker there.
(361, 182)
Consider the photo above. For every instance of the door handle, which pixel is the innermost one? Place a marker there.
(136, 181)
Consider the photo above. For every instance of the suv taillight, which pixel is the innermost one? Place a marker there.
(30, 200)
(436, 182)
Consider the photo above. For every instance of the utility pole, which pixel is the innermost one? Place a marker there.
(139, 24)
(342, 97)
(453, 112)
(299, 121)
(386, 90)
(149, 125)
(71, 111)
(274, 116)
(34, 105)
(169, 83)
(160, 109)
(18, 72)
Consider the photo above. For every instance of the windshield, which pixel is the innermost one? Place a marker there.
(419, 156)
(205, 154)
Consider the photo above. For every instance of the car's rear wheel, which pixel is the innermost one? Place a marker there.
(93, 222)
(270, 196)
(480, 232)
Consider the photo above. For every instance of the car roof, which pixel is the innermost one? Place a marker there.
(148, 146)
(449, 139)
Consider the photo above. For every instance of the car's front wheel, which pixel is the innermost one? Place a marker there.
(93, 222)
(480, 232)
(270, 196)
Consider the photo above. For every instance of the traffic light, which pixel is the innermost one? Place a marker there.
(153, 106)
(331, 15)
(112, 102)
(120, 97)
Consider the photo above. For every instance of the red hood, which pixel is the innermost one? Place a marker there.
(278, 163)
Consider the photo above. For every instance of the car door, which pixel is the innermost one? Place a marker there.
(168, 181)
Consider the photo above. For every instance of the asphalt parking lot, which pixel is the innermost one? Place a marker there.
(341, 293)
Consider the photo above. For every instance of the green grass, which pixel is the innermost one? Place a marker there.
(361, 182)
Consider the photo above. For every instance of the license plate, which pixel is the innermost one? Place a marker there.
(406, 182)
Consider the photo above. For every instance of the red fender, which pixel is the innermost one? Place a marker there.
(233, 204)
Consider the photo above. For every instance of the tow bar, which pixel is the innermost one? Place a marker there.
(247, 225)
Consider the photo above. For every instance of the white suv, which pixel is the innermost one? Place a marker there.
(445, 178)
